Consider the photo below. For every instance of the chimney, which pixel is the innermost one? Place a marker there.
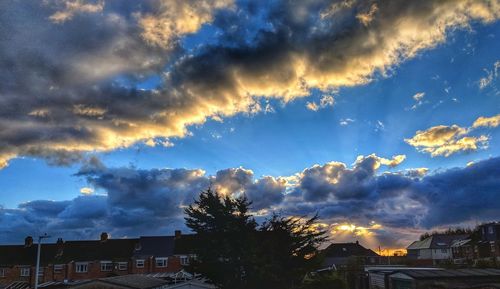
(60, 246)
(357, 242)
(104, 237)
(28, 241)
(178, 234)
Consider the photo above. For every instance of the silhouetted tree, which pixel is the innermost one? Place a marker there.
(287, 251)
(449, 231)
(234, 252)
(224, 245)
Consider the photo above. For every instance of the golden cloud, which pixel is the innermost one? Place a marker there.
(175, 18)
(482, 121)
(87, 191)
(356, 230)
(394, 161)
(72, 7)
(444, 140)
(219, 82)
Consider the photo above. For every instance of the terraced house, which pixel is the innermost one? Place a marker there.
(481, 247)
(92, 259)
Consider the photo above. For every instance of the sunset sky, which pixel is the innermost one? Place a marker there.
(382, 116)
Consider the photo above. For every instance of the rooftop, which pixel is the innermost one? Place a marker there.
(135, 281)
(456, 273)
(437, 241)
(343, 250)
(115, 250)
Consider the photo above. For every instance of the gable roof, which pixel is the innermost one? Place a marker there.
(111, 249)
(184, 245)
(91, 250)
(459, 243)
(160, 246)
(345, 250)
(438, 241)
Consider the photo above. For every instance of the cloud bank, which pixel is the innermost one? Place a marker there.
(393, 206)
(71, 69)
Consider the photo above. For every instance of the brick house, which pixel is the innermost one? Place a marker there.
(93, 259)
(338, 255)
(482, 245)
(489, 244)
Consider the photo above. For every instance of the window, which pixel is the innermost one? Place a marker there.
(444, 251)
(25, 272)
(161, 262)
(106, 266)
(81, 267)
(122, 266)
(58, 268)
(184, 260)
(139, 263)
(3, 272)
(490, 229)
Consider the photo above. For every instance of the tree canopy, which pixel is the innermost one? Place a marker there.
(233, 251)
(449, 231)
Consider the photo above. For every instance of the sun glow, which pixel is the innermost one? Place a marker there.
(355, 230)
(392, 252)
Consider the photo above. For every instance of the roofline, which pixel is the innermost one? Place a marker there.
(117, 284)
(202, 284)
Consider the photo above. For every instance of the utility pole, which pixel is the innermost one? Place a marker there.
(40, 238)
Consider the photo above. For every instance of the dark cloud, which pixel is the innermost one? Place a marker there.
(266, 192)
(335, 181)
(461, 194)
(135, 202)
(151, 201)
(44, 208)
(455, 196)
(70, 71)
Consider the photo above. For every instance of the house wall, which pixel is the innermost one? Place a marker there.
(173, 265)
(441, 254)
(13, 274)
(424, 254)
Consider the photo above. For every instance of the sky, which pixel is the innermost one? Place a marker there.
(382, 117)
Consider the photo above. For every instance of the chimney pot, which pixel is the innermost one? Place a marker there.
(178, 234)
(28, 241)
(104, 237)
(60, 246)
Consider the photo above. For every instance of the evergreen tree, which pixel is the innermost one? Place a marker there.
(288, 250)
(234, 252)
(223, 245)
